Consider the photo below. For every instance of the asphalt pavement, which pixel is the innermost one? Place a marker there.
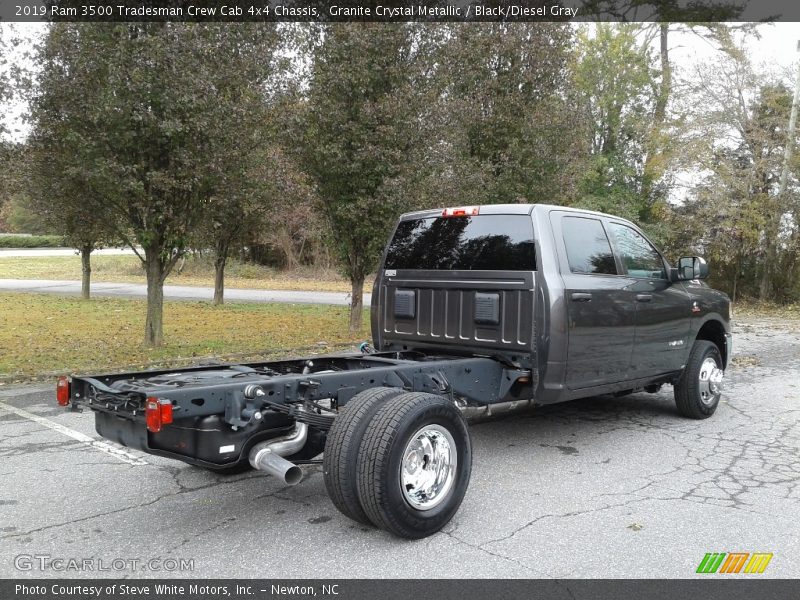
(605, 487)
(176, 292)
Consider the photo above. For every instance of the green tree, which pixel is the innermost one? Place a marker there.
(6, 147)
(362, 131)
(5, 76)
(616, 90)
(250, 171)
(256, 196)
(17, 215)
(740, 116)
(59, 194)
(699, 20)
(705, 19)
(145, 111)
(507, 126)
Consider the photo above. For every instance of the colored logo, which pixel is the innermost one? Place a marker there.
(734, 562)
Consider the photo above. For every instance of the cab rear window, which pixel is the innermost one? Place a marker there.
(482, 242)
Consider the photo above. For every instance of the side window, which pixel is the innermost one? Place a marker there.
(588, 248)
(640, 258)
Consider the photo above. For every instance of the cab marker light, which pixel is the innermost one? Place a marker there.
(464, 211)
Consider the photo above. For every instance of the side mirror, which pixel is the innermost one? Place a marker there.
(691, 267)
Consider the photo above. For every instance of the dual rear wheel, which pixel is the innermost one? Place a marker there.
(402, 460)
(398, 460)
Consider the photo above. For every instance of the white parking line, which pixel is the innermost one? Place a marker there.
(123, 455)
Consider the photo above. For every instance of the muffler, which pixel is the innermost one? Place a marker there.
(474, 414)
(268, 456)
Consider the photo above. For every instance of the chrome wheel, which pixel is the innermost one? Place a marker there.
(710, 381)
(427, 472)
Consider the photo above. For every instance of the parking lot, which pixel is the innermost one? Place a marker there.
(606, 487)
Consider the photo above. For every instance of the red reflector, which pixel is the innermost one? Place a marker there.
(157, 412)
(152, 415)
(62, 390)
(464, 211)
(166, 412)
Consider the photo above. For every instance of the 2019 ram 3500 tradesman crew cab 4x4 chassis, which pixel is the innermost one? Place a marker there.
(476, 311)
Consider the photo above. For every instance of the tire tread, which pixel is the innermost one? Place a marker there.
(343, 446)
(375, 454)
(686, 389)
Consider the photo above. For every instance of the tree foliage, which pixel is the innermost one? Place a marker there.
(215, 137)
(251, 173)
(508, 126)
(362, 133)
(616, 86)
(734, 213)
(145, 113)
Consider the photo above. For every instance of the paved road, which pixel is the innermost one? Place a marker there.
(595, 488)
(33, 252)
(177, 292)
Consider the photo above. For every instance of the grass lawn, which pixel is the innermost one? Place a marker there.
(195, 271)
(43, 335)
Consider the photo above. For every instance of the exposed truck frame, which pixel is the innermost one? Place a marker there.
(242, 393)
(450, 344)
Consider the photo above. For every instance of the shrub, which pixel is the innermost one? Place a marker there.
(31, 241)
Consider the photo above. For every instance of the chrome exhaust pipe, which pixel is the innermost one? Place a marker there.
(268, 456)
(488, 411)
(277, 466)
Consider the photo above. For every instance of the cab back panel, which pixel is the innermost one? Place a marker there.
(476, 312)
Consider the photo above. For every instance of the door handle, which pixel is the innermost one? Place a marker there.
(581, 297)
(644, 297)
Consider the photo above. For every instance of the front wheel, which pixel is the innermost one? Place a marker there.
(414, 465)
(699, 388)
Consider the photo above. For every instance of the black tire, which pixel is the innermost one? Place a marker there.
(690, 397)
(339, 463)
(380, 488)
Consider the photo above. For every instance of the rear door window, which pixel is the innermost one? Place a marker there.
(588, 248)
(481, 242)
(641, 260)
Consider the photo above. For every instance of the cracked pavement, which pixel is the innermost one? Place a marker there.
(604, 487)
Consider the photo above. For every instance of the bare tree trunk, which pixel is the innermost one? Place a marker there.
(357, 303)
(655, 144)
(770, 253)
(285, 243)
(221, 250)
(774, 220)
(219, 280)
(665, 89)
(154, 324)
(86, 271)
(766, 271)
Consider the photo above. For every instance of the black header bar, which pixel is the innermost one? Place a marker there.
(733, 588)
(389, 11)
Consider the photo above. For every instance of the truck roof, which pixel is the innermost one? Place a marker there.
(506, 209)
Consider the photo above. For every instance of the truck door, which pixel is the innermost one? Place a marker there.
(601, 312)
(663, 308)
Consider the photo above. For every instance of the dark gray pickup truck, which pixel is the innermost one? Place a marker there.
(476, 311)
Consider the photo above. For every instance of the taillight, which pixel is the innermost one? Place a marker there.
(157, 412)
(62, 390)
(464, 211)
(166, 411)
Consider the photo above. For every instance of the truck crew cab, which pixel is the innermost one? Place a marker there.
(476, 311)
